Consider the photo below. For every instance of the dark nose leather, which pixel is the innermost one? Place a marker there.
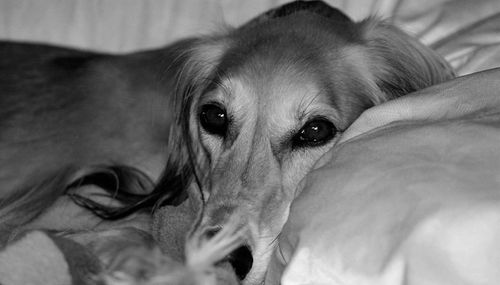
(240, 259)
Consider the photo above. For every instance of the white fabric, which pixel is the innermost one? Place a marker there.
(410, 196)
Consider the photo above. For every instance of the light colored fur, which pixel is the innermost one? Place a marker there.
(270, 84)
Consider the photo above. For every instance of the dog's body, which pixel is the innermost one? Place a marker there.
(88, 108)
(66, 111)
(254, 108)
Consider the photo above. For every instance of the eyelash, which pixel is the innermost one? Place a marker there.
(314, 133)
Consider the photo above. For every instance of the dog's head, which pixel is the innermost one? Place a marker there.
(265, 101)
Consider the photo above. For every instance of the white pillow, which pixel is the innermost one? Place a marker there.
(410, 196)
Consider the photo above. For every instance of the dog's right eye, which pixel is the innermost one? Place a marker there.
(213, 119)
(315, 133)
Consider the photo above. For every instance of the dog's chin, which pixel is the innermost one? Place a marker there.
(242, 265)
(241, 261)
(225, 274)
(257, 273)
(255, 276)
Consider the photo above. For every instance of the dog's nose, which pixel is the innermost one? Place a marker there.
(240, 259)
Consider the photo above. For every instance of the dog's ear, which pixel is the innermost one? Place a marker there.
(399, 63)
(196, 67)
(193, 59)
(319, 8)
(191, 65)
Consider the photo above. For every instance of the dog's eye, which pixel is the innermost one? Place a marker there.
(315, 133)
(213, 119)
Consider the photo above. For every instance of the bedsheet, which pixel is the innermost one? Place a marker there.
(410, 195)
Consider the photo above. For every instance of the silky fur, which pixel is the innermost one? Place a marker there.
(71, 118)
(271, 76)
(72, 114)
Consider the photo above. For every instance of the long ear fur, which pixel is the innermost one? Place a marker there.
(191, 71)
(399, 62)
(188, 65)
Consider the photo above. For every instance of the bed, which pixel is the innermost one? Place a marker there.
(410, 194)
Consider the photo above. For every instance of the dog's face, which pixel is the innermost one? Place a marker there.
(267, 100)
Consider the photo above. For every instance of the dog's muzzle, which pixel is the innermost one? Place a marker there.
(241, 259)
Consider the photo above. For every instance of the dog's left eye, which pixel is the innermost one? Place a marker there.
(213, 119)
(315, 133)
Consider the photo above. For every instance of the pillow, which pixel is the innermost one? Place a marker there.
(410, 195)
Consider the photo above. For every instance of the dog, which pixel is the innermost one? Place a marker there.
(262, 103)
(236, 119)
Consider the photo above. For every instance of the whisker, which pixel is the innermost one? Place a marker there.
(217, 247)
(275, 240)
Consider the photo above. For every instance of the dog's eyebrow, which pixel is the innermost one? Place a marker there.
(217, 82)
(303, 108)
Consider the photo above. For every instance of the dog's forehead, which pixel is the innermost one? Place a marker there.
(276, 73)
(275, 99)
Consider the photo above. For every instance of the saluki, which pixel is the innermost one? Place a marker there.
(237, 117)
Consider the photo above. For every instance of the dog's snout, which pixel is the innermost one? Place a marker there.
(241, 260)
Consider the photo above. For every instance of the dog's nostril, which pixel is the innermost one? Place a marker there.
(241, 260)
(211, 232)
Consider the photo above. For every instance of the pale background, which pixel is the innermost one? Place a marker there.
(466, 32)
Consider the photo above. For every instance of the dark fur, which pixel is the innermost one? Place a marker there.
(72, 117)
